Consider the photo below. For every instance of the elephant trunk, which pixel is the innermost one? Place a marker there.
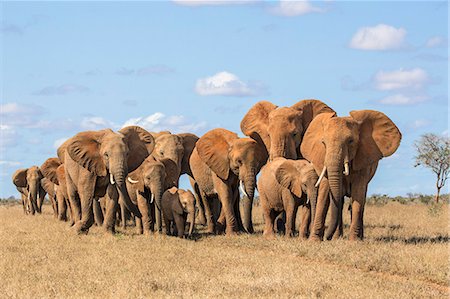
(33, 194)
(335, 182)
(312, 198)
(157, 191)
(249, 183)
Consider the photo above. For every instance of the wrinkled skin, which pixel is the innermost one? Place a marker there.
(358, 141)
(145, 186)
(50, 188)
(219, 162)
(53, 171)
(281, 129)
(178, 207)
(174, 150)
(97, 163)
(28, 183)
(284, 185)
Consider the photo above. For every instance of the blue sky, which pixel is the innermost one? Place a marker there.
(192, 66)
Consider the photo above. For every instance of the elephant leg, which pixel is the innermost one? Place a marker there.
(144, 209)
(74, 202)
(40, 200)
(359, 193)
(87, 218)
(54, 205)
(289, 208)
(306, 221)
(24, 204)
(210, 224)
(226, 198)
(62, 206)
(280, 222)
(323, 201)
(168, 223)
(180, 224)
(109, 223)
(221, 223)
(269, 219)
(98, 214)
(201, 217)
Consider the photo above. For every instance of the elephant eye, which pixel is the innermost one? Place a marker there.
(161, 153)
(239, 162)
(350, 141)
(106, 155)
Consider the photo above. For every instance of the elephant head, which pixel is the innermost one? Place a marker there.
(340, 146)
(281, 129)
(177, 148)
(107, 153)
(299, 177)
(29, 179)
(226, 154)
(48, 169)
(187, 201)
(151, 175)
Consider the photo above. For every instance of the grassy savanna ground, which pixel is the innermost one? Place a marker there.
(405, 254)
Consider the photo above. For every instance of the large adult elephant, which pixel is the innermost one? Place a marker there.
(97, 162)
(28, 183)
(345, 151)
(174, 151)
(280, 130)
(219, 163)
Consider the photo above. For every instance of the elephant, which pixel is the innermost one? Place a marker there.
(146, 186)
(53, 171)
(281, 129)
(28, 183)
(175, 149)
(345, 151)
(50, 188)
(97, 163)
(219, 163)
(178, 206)
(286, 184)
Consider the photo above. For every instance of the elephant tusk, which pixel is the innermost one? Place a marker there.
(152, 198)
(132, 181)
(346, 170)
(111, 179)
(56, 188)
(321, 176)
(241, 185)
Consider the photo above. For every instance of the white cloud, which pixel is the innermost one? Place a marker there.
(17, 114)
(419, 123)
(8, 136)
(401, 99)
(10, 163)
(61, 90)
(59, 142)
(157, 122)
(436, 41)
(96, 123)
(379, 37)
(213, 2)
(292, 8)
(401, 79)
(228, 84)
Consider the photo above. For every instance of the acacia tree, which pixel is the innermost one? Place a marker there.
(434, 152)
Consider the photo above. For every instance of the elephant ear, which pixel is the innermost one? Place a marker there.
(213, 149)
(48, 169)
(61, 174)
(311, 108)
(140, 143)
(48, 186)
(172, 175)
(189, 141)
(255, 122)
(62, 150)
(84, 148)
(378, 137)
(20, 177)
(312, 148)
(286, 175)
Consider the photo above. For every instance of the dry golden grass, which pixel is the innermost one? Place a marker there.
(405, 255)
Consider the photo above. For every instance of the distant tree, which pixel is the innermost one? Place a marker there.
(434, 152)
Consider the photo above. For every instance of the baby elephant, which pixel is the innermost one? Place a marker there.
(178, 205)
(285, 185)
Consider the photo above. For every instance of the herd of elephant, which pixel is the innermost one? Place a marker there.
(307, 157)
